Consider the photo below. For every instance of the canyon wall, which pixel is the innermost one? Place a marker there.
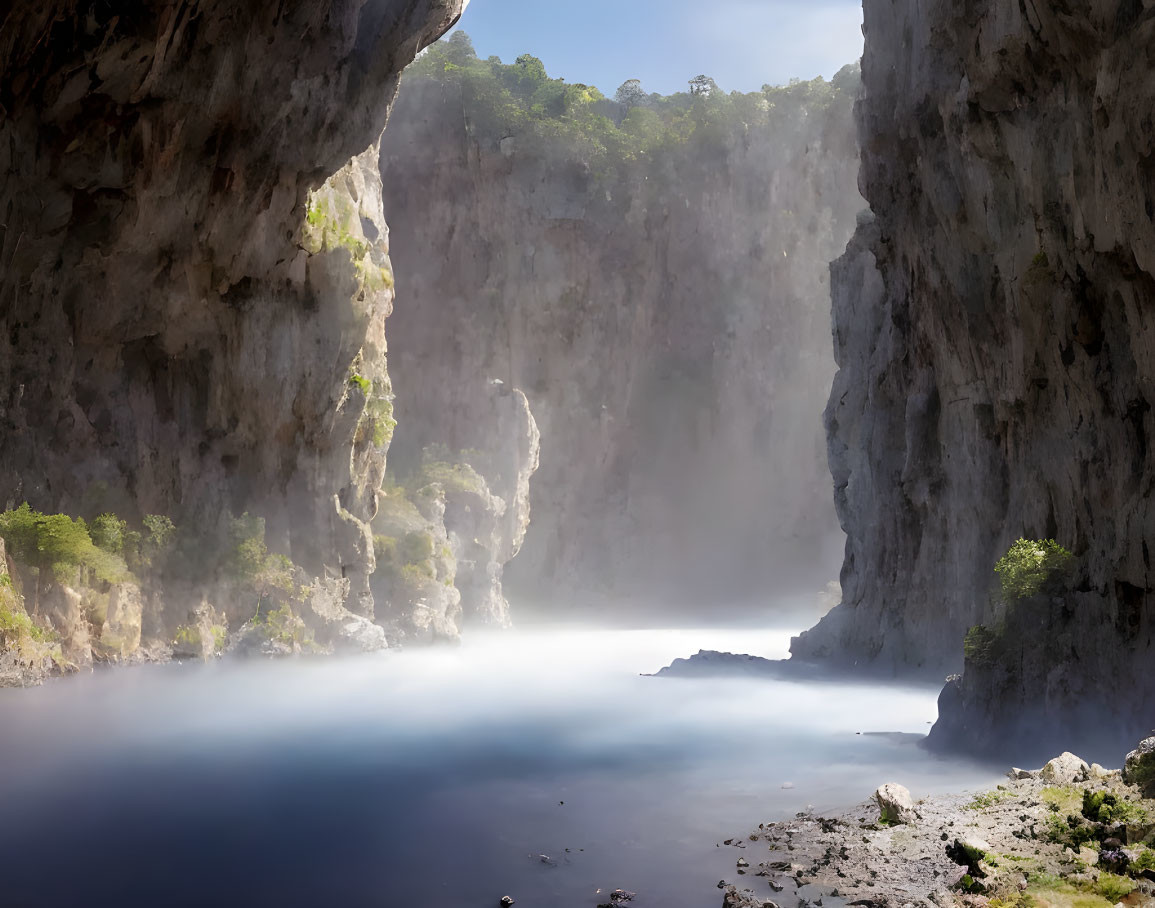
(996, 349)
(652, 273)
(194, 271)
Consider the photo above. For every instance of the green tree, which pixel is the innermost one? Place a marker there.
(58, 547)
(1033, 566)
(703, 85)
(630, 94)
(108, 533)
(458, 49)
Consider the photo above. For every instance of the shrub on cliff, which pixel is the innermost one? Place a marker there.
(58, 545)
(1033, 566)
(247, 558)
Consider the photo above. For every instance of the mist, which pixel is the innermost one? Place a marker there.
(436, 776)
(651, 271)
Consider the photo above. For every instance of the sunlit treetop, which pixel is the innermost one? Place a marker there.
(520, 100)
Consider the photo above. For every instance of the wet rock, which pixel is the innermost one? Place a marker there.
(506, 901)
(736, 898)
(895, 804)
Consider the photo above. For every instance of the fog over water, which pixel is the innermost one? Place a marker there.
(435, 777)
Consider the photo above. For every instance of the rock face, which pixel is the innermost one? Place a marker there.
(1139, 768)
(668, 326)
(194, 266)
(995, 350)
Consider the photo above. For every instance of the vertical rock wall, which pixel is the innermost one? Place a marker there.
(994, 334)
(194, 261)
(669, 327)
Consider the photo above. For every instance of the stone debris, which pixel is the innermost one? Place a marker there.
(1023, 840)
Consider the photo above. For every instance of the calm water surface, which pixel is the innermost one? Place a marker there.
(434, 778)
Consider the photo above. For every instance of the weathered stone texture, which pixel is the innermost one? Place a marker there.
(172, 338)
(994, 333)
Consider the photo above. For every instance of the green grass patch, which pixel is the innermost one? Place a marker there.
(988, 799)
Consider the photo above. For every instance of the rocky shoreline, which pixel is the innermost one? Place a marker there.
(1070, 835)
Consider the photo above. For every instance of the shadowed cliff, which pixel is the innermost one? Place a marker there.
(652, 272)
(194, 266)
(992, 329)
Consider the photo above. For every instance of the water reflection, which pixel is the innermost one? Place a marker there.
(432, 778)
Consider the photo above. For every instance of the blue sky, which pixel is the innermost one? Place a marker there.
(742, 44)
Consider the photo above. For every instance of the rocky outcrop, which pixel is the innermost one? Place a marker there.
(444, 538)
(665, 315)
(995, 361)
(194, 271)
(1031, 841)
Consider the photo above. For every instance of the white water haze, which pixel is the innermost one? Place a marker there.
(437, 776)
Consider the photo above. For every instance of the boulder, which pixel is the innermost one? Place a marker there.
(1139, 767)
(895, 804)
(1065, 769)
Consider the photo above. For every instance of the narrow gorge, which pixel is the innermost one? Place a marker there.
(651, 272)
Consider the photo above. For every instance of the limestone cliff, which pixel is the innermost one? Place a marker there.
(664, 310)
(992, 329)
(194, 271)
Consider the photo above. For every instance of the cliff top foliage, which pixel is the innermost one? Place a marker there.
(519, 100)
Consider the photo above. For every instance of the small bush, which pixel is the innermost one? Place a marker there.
(280, 625)
(416, 547)
(1109, 809)
(247, 558)
(108, 532)
(979, 645)
(1113, 887)
(988, 799)
(1033, 566)
(1144, 861)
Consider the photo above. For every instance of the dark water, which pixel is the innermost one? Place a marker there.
(433, 779)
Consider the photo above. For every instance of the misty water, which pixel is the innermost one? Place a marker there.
(436, 777)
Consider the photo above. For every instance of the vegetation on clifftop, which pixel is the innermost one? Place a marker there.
(519, 103)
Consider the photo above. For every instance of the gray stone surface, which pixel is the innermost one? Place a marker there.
(175, 331)
(671, 333)
(995, 349)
